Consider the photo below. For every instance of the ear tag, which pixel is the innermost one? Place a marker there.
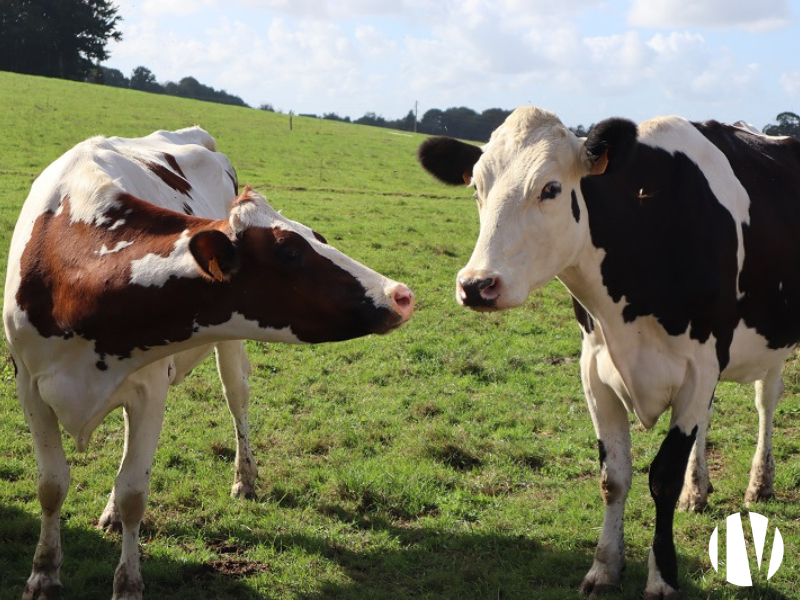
(214, 270)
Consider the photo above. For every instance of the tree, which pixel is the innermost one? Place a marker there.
(114, 78)
(788, 124)
(56, 38)
(189, 87)
(144, 80)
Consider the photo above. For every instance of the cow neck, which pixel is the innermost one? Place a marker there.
(584, 281)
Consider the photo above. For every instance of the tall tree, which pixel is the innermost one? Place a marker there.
(56, 38)
(788, 124)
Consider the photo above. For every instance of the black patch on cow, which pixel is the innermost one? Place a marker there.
(666, 481)
(616, 138)
(671, 254)
(769, 170)
(187, 209)
(584, 318)
(601, 450)
(234, 180)
(576, 209)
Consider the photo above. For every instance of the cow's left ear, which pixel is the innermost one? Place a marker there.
(214, 253)
(609, 146)
(448, 159)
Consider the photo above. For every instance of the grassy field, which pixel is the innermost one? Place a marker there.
(452, 459)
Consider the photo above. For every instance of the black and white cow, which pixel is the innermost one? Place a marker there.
(680, 243)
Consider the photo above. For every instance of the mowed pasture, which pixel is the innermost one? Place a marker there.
(452, 459)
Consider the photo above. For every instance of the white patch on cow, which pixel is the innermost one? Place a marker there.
(751, 356)
(117, 224)
(120, 246)
(154, 270)
(239, 327)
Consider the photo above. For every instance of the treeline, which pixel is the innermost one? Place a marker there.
(465, 123)
(459, 122)
(144, 80)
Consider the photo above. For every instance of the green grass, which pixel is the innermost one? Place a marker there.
(452, 459)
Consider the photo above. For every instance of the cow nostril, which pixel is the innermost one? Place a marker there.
(489, 288)
(479, 291)
(403, 299)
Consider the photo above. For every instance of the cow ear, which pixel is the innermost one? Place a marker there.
(609, 146)
(448, 159)
(214, 253)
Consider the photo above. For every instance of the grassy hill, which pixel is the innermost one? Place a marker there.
(452, 459)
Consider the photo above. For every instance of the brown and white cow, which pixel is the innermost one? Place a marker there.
(130, 260)
(679, 243)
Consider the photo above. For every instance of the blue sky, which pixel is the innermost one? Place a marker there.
(583, 59)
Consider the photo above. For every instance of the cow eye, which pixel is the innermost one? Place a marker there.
(551, 190)
(288, 254)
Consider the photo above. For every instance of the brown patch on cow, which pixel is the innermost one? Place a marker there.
(67, 291)
(244, 197)
(172, 162)
(68, 288)
(177, 182)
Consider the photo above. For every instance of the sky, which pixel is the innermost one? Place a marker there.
(585, 60)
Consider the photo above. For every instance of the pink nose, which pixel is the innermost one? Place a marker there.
(402, 301)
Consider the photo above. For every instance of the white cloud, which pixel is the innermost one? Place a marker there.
(791, 83)
(749, 15)
(309, 56)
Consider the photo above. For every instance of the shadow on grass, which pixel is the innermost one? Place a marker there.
(90, 558)
(423, 563)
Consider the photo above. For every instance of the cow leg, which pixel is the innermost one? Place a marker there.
(696, 483)
(234, 371)
(667, 473)
(110, 520)
(53, 483)
(762, 473)
(143, 398)
(613, 439)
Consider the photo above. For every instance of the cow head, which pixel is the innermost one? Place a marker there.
(533, 217)
(283, 274)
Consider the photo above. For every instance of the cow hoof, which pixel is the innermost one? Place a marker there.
(693, 503)
(758, 494)
(597, 583)
(662, 591)
(593, 590)
(110, 521)
(42, 588)
(243, 490)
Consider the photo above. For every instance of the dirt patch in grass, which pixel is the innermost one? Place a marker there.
(231, 568)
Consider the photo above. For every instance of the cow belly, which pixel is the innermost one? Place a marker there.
(751, 357)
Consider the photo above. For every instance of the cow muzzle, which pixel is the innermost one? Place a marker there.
(478, 290)
(400, 301)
